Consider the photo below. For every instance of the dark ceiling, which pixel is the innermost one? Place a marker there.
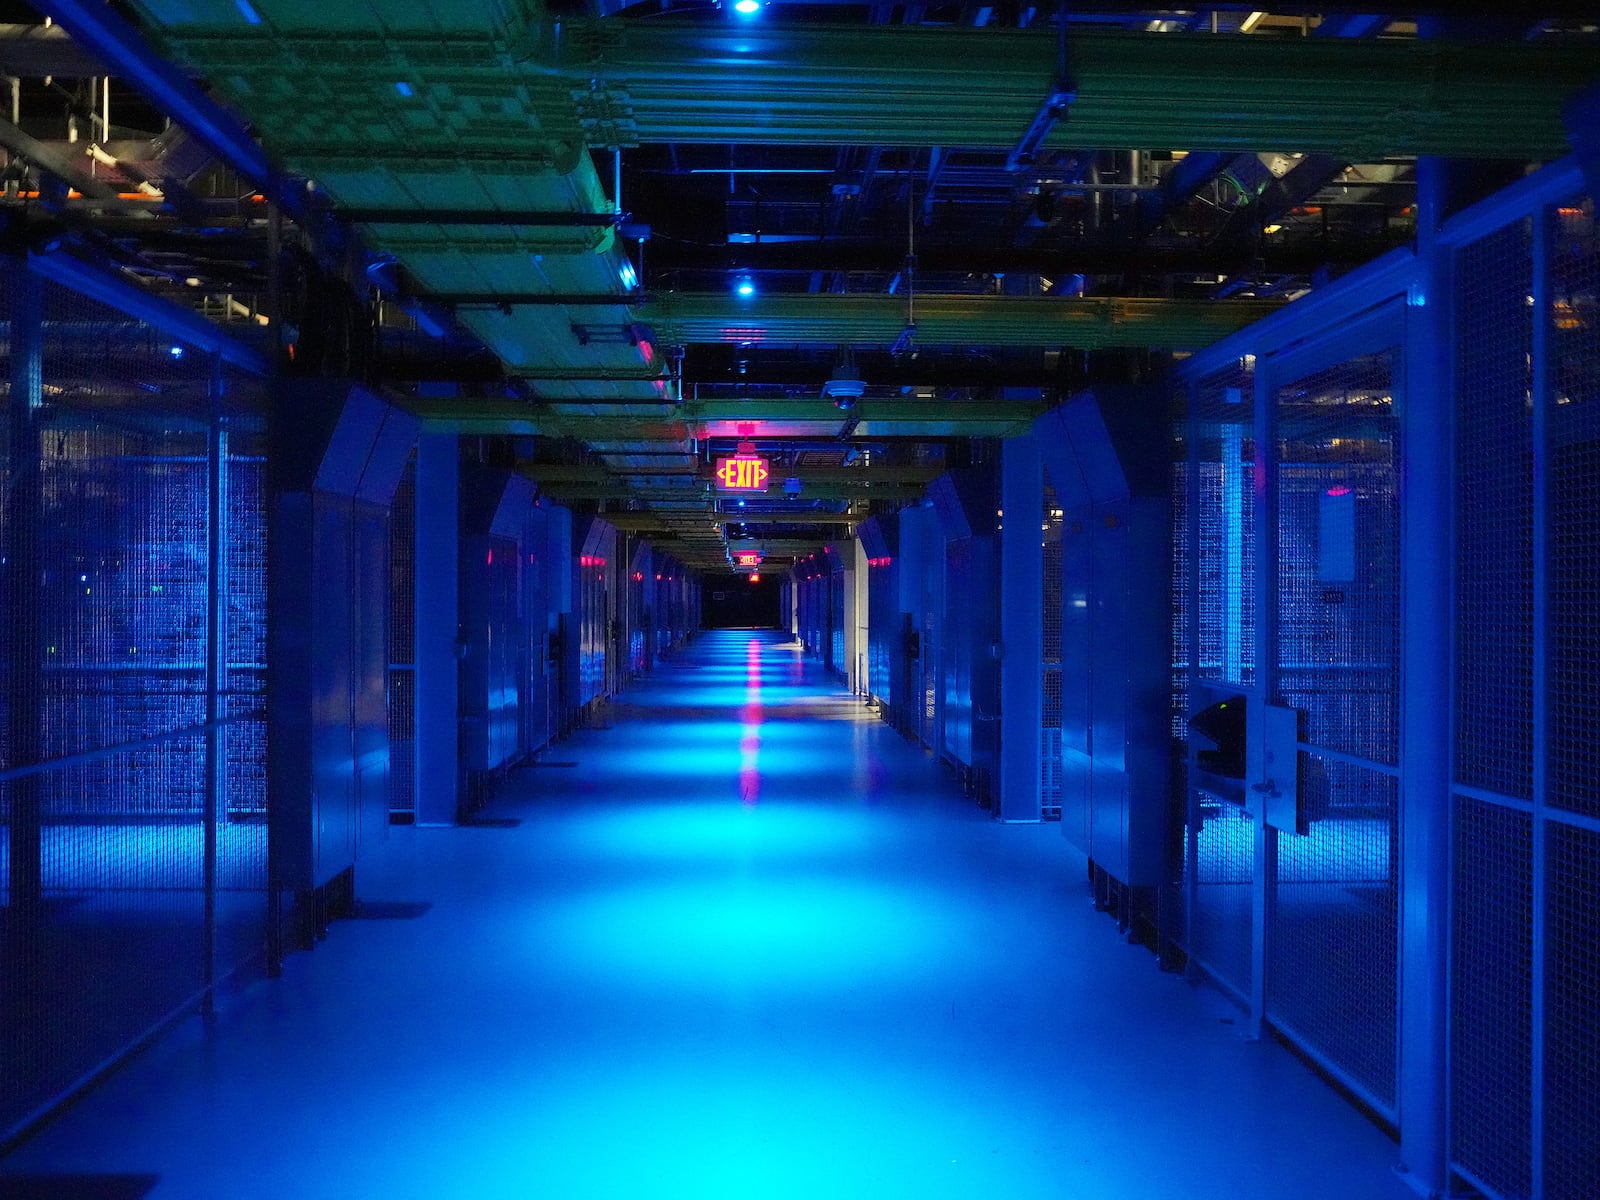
(524, 220)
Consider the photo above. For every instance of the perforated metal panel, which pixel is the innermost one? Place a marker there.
(1333, 941)
(1491, 1018)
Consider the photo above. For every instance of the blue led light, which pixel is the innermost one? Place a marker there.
(747, 8)
(248, 12)
(175, 351)
(745, 288)
(403, 87)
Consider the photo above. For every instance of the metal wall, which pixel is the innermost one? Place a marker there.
(132, 677)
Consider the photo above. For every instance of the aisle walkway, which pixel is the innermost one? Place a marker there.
(745, 942)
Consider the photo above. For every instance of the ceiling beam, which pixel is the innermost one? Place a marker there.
(623, 82)
(487, 414)
(1047, 322)
(973, 258)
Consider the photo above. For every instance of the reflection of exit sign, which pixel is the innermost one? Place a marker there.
(742, 473)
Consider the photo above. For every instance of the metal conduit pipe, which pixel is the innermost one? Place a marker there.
(1040, 321)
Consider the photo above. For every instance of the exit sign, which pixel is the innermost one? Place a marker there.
(742, 473)
(749, 560)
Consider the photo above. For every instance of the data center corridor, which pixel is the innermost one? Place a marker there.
(743, 941)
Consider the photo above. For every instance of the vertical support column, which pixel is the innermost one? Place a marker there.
(861, 582)
(1543, 401)
(1264, 887)
(1021, 627)
(437, 627)
(1426, 420)
(274, 568)
(23, 636)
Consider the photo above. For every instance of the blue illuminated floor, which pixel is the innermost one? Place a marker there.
(751, 945)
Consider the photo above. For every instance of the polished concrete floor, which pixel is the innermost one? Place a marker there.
(743, 942)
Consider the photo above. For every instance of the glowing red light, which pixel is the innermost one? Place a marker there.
(755, 576)
(742, 473)
(638, 576)
(491, 556)
(749, 560)
(658, 578)
(1338, 489)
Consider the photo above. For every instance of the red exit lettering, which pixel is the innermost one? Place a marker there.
(742, 473)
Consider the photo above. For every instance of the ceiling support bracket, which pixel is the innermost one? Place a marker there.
(1054, 106)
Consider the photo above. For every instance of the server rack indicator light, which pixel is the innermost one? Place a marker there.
(743, 473)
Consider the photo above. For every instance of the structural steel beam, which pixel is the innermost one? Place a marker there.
(971, 258)
(1046, 322)
(65, 162)
(519, 415)
(105, 34)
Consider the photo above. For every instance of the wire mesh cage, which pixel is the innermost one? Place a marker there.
(1214, 651)
(132, 571)
(1334, 936)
